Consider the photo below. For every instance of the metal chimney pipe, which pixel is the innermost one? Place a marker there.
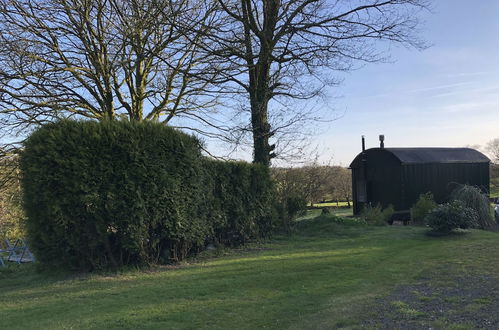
(382, 141)
(363, 144)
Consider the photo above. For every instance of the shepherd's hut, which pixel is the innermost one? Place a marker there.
(398, 176)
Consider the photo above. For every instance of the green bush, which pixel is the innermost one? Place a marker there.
(473, 198)
(454, 215)
(242, 201)
(112, 193)
(296, 205)
(423, 206)
(106, 194)
(288, 208)
(376, 215)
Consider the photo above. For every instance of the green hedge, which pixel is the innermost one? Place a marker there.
(242, 201)
(106, 194)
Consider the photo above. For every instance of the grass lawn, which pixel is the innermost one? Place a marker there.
(331, 204)
(340, 212)
(323, 275)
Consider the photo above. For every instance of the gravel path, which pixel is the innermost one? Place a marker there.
(444, 302)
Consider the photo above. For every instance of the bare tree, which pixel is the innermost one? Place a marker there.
(166, 59)
(274, 51)
(289, 182)
(492, 148)
(11, 213)
(102, 59)
(314, 182)
(342, 182)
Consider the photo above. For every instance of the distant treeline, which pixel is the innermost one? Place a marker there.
(314, 183)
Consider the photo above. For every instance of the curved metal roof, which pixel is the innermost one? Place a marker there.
(438, 155)
(432, 155)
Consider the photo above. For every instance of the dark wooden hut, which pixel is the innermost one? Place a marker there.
(397, 176)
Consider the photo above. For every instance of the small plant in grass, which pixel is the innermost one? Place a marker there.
(376, 215)
(406, 310)
(349, 221)
(423, 206)
(454, 215)
(473, 198)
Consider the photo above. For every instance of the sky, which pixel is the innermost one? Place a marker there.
(444, 96)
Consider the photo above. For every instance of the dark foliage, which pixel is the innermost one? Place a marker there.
(104, 195)
(422, 207)
(296, 205)
(241, 201)
(454, 215)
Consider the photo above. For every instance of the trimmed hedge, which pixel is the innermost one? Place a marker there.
(106, 194)
(242, 201)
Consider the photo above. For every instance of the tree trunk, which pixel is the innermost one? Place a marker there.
(261, 132)
(260, 93)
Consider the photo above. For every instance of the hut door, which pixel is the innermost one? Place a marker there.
(361, 191)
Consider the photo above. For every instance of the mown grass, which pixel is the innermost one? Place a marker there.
(321, 275)
(314, 212)
(331, 204)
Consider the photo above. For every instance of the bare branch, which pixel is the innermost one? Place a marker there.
(291, 49)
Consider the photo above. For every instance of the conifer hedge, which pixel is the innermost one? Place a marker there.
(242, 201)
(102, 195)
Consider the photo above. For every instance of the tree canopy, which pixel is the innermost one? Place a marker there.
(101, 59)
(283, 51)
(492, 148)
(165, 59)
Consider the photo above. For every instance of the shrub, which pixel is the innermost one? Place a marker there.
(112, 193)
(107, 194)
(288, 208)
(454, 215)
(423, 206)
(296, 205)
(473, 198)
(241, 201)
(376, 215)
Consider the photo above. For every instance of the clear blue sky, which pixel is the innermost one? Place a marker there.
(446, 95)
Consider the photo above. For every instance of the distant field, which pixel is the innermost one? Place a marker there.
(341, 211)
(310, 214)
(331, 204)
